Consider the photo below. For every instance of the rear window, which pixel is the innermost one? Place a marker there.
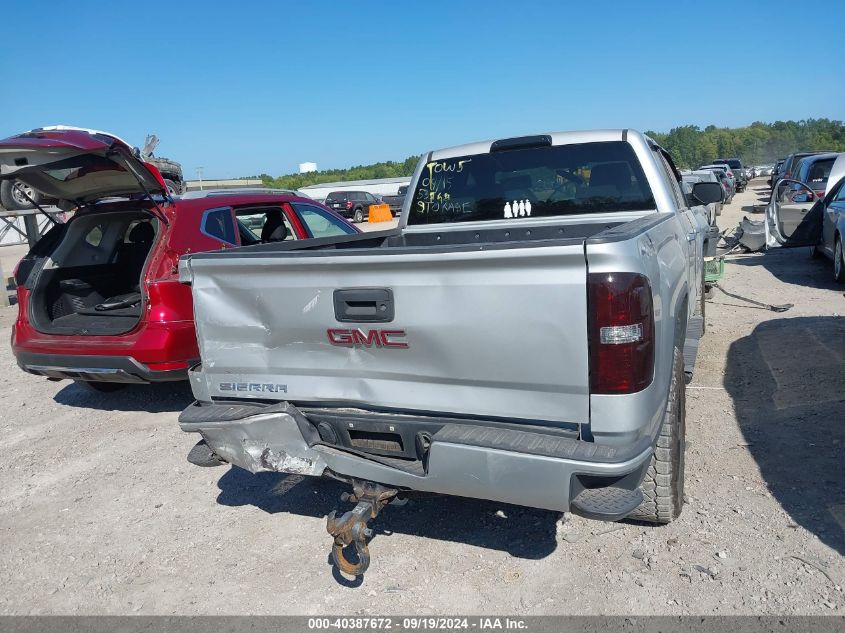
(337, 196)
(819, 171)
(535, 182)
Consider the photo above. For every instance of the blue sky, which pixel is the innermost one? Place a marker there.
(242, 88)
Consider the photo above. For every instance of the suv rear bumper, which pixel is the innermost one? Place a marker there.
(123, 369)
(525, 468)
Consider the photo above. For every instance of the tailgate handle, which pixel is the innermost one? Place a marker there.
(363, 305)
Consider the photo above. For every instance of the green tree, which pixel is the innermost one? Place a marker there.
(689, 145)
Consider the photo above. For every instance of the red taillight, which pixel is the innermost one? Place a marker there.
(348, 204)
(621, 323)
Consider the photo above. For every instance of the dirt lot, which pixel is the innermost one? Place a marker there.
(101, 514)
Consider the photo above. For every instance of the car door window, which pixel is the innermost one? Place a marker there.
(253, 220)
(840, 195)
(219, 224)
(319, 223)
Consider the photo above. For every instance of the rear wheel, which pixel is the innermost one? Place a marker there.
(172, 188)
(100, 386)
(12, 198)
(359, 216)
(838, 261)
(663, 486)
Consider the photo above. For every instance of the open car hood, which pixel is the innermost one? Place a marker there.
(77, 165)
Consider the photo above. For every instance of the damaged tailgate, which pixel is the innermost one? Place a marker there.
(498, 332)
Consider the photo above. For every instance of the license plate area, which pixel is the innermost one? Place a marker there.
(404, 436)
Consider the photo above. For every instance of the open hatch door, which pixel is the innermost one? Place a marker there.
(77, 165)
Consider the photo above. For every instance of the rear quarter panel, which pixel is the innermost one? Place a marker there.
(660, 253)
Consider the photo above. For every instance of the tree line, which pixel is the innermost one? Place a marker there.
(690, 146)
(757, 144)
(387, 169)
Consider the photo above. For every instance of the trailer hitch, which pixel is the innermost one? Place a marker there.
(351, 528)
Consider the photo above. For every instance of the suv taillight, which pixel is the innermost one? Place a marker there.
(621, 325)
(349, 204)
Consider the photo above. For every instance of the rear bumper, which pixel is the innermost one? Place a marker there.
(123, 369)
(511, 466)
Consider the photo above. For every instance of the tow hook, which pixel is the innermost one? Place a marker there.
(351, 528)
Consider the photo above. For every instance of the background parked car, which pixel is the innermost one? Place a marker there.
(804, 220)
(814, 171)
(775, 173)
(790, 163)
(727, 171)
(397, 200)
(351, 204)
(738, 170)
(722, 175)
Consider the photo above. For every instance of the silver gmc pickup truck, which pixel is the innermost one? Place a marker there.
(523, 336)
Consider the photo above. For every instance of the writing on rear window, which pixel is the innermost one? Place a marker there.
(533, 182)
(434, 195)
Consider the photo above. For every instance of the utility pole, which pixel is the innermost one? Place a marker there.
(199, 175)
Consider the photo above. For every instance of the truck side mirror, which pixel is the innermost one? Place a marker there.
(708, 192)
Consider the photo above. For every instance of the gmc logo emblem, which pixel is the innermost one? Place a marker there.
(359, 338)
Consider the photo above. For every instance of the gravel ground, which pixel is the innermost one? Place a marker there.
(101, 514)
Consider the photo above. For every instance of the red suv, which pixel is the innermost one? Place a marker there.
(99, 299)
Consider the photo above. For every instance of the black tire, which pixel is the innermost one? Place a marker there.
(13, 201)
(358, 216)
(172, 188)
(100, 386)
(663, 486)
(838, 261)
(202, 455)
